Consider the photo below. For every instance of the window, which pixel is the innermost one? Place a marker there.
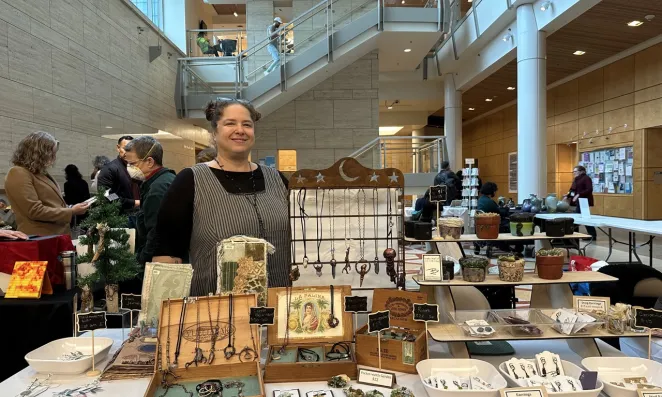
(152, 9)
(610, 169)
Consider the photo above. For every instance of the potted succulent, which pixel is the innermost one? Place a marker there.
(550, 263)
(510, 268)
(487, 225)
(450, 228)
(521, 224)
(474, 268)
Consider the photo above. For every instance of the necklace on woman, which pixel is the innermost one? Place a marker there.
(331, 234)
(389, 252)
(375, 207)
(365, 265)
(229, 350)
(319, 210)
(303, 216)
(348, 237)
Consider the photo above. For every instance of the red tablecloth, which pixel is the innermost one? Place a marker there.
(45, 248)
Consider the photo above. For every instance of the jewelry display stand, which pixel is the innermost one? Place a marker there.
(303, 346)
(185, 336)
(347, 223)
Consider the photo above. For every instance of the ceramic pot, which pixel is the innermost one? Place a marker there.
(526, 205)
(511, 271)
(550, 267)
(535, 209)
(501, 201)
(535, 200)
(551, 202)
(448, 269)
(487, 227)
(87, 300)
(562, 206)
(112, 299)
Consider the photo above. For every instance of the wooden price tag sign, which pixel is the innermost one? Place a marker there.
(377, 322)
(426, 312)
(262, 315)
(648, 318)
(90, 322)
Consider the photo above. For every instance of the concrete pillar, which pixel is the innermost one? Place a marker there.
(531, 105)
(453, 122)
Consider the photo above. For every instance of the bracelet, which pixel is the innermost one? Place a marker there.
(210, 388)
(308, 355)
(339, 351)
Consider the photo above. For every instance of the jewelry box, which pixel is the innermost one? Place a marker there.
(314, 349)
(403, 346)
(223, 318)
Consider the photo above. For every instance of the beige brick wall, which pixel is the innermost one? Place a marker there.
(328, 122)
(73, 67)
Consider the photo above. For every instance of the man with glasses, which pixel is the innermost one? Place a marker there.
(115, 177)
(145, 155)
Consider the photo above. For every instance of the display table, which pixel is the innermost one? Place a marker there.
(45, 248)
(35, 322)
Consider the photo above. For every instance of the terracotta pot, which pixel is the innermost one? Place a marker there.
(112, 299)
(550, 267)
(487, 227)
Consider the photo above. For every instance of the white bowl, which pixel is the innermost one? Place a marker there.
(45, 359)
(611, 369)
(569, 369)
(463, 366)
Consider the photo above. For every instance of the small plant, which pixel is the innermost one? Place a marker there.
(550, 252)
(486, 214)
(88, 280)
(474, 262)
(507, 258)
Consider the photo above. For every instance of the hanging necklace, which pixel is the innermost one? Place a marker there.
(333, 320)
(248, 354)
(332, 225)
(294, 267)
(249, 195)
(168, 371)
(348, 236)
(198, 356)
(214, 330)
(365, 265)
(301, 201)
(375, 208)
(319, 210)
(288, 302)
(389, 252)
(180, 332)
(229, 350)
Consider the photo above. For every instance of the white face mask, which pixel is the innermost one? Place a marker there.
(135, 173)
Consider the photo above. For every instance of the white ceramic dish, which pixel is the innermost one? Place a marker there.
(45, 359)
(569, 369)
(614, 369)
(464, 366)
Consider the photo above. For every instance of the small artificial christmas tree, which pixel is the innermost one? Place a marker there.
(113, 260)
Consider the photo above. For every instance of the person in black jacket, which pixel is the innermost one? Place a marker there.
(115, 176)
(447, 177)
(76, 190)
(145, 155)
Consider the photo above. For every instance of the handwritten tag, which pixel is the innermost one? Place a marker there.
(426, 312)
(648, 318)
(131, 302)
(379, 321)
(90, 321)
(356, 304)
(262, 315)
(438, 194)
(524, 392)
(591, 304)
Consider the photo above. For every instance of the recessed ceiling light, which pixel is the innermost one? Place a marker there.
(109, 127)
(469, 1)
(472, 108)
(579, 52)
(635, 23)
(235, 14)
(389, 107)
(403, 1)
(407, 49)
(545, 5)
(488, 99)
(511, 88)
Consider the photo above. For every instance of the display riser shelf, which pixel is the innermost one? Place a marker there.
(528, 279)
(468, 238)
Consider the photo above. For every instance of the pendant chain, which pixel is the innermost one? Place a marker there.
(361, 222)
(319, 210)
(375, 207)
(301, 201)
(332, 224)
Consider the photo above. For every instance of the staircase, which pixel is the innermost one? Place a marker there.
(330, 36)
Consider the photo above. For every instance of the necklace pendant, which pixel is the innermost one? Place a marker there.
(365, 269)
(295, 273)
(333, 321)
(389, 255)
(333, 268)
(318, 268)
(348, 266)
(305, 262)
(376, 265)
(229, 352)
(212, 355)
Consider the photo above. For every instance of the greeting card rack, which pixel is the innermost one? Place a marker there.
(348, 221)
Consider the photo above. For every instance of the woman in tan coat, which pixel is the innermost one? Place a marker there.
(34, 195)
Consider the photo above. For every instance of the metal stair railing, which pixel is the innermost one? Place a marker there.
(424, 153)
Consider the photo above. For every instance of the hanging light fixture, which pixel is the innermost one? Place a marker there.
(546, 5)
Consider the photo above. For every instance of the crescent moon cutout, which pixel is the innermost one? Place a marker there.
(343, 175)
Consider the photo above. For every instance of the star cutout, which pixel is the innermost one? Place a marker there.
(300, 179)
(393, 178)
(373, 177)
(320, 177)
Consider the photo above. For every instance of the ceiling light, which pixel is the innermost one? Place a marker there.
(109, 127)
(472, 108)
(235, 14)
(403, 1)
(635, 23)
(579, 52)
(545, 6)
(511, 88)
(390, 107)
(469, 1)
(407, 49)
(488, 99)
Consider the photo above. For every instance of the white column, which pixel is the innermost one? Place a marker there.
(453, 122)
(531, 105)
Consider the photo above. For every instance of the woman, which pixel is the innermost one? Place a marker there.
(98, 163)
(34, 195)
(486, 203)
(225, 197)
(310, 321)
(582, 187)
(75, 188)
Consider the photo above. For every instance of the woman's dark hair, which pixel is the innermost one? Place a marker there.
(214, 110)
(581, 169)
(71, 172)
(202, 34)
(489, 189)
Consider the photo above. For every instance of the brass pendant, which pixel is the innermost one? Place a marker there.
(365, 269)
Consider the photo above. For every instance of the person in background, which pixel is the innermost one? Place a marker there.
(7, 217)
(582, 187)
(486, 203)
(205, 155)
(76, 189)
(145, 154)
(205, 45)
(115, 177)
(447, 177)
(12, 235)
(33, 193)
(272, 47)
(98, 163)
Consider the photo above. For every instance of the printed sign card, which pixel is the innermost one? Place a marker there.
(524, 392)
(592, 304)
(376, 378)
(432, 267)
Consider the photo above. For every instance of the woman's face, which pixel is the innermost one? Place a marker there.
(309, 310)
(235, 133)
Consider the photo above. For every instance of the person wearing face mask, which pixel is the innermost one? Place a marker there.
(34, 195)
(115, 177)
(144, 155)
(222, 198)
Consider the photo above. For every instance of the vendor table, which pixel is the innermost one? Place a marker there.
(632, 226)
(45, 248)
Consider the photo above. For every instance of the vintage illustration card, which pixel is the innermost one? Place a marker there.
(29, 280)
(242, 267)
(163, 281)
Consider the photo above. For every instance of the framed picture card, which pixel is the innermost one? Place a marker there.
(432, 267)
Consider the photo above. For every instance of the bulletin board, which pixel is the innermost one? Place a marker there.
(610, 169)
